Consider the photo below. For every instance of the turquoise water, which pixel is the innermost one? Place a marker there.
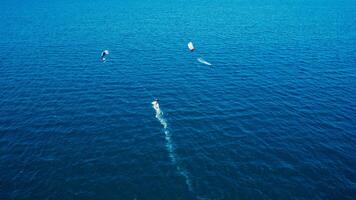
(273, 118)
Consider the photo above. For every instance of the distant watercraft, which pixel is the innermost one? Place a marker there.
(104, 55)
(190, 46)
(155, 104)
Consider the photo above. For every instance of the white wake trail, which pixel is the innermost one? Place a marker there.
(201, 60)
(170, 146)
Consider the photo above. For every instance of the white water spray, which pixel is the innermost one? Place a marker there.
(201, 60)
(170, 146)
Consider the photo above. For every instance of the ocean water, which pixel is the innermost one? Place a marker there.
(273, 117)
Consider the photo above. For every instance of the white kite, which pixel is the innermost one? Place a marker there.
(190, 46)
(104, 55)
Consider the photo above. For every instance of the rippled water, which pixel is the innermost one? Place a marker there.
(273, 118)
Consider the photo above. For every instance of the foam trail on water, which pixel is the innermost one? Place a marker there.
(201, 60)
(170, 146)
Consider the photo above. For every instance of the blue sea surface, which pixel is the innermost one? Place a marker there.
(273, 117)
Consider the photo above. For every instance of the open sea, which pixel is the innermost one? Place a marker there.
(272, 117)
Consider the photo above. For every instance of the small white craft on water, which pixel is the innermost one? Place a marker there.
(155, 105)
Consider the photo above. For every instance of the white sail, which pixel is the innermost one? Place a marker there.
(190, 46)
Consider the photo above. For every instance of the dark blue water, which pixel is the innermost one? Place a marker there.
(274, 117)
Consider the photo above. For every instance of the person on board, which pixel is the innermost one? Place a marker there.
(155, 103)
